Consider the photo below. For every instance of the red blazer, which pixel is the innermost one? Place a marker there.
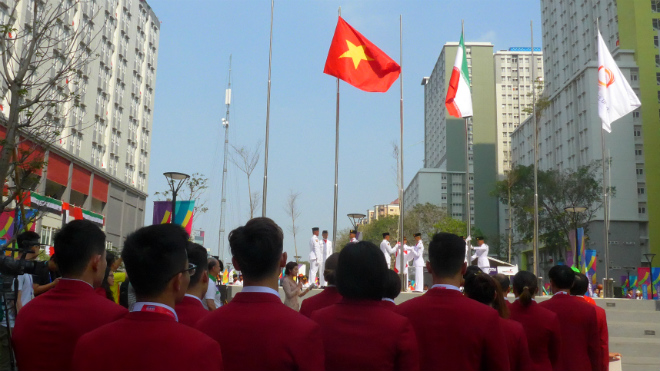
(603, 333)
(146, 341)
(363, 335)
(543, 335)
(190, 311)
(53, 321)
(456, 333)
(325, 298)
(257, 332)
(580, 349)
(387, 304)
(516, 343)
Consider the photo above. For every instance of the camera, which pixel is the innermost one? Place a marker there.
(11, 267)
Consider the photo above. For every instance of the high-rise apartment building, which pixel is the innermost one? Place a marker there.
(444, 142)
(100, 163)
(570, 130)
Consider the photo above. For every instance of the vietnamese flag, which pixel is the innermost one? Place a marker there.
(357, 61)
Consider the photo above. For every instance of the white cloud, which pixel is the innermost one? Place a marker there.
(488, 36)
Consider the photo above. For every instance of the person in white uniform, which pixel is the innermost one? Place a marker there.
(418, 262)
(326, 251)
(481, 253)
(408, 256)
(352, 235)
(387, 249)
(315, 255)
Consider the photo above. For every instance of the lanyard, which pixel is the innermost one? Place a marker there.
(142, 307)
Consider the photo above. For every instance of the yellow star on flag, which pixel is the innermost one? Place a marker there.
(356, 53)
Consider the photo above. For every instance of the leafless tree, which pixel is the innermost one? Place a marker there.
(43, 77)
(255, 201)
(246, 160)
(291, 209)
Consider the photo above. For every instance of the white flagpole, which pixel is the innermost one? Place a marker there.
(468, 201)
(270, 61)
(535, 245)
(334, 215)
(404, 283)
(606, 213)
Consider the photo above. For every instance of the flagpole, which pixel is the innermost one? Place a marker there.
(606, 211)
(404, 283)
(535, 243)
(334, 215)
(468, 201)
(270, 61)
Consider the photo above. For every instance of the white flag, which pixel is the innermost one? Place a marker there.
(615, 96)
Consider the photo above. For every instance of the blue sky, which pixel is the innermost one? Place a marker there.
(196, 39)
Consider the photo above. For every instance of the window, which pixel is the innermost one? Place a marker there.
(657, 60)
(640, 171)
(638, 129)
(655, 6)
(656, 24)
(640, 190)
(641, 209)
(655, 39)
(638, 152)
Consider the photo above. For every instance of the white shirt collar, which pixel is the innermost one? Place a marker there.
(261, 289)
(193, 296)
(75, 279)
(447, 287)
(140, 304)
(388, 299)
(561, 293)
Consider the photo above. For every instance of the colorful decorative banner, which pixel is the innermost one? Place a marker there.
(570, 252)
(633, 283)
(643, 278)
(183, 215)
(8, 218)
(624, 285)
(655, 279)
(225, 277)
(590, 265)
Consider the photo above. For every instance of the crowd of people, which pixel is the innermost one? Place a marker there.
(463, 321)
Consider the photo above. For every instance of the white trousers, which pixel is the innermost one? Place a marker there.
(419, 279)
(321, 278)
(313, 270)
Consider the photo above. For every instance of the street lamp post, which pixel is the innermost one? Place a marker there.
(576, 210)
(649, 258)
(356, 219)
(175, 181)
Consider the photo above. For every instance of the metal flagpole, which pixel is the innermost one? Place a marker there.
(404, 283)
(468, 201)
(535, 245)
(270, 60)
(223, 203)
(606, 211)
(334, 215)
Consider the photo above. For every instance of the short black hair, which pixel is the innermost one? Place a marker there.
(28, 239)
(197, 255)
(110, 257)
(290, 266)
(153, 255)
(210, 263)
(562, 276)
(504, 281)
(257, 247)
(361, 271)
(580, 285)
(392, 287)
(471, 270)
(76, 244)
(330, 269)
(447, 254)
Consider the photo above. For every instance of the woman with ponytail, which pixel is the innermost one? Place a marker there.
(485, 289)
(540, 324)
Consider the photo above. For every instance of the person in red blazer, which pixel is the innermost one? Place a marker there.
(541, 325)
(487, 290)
(256, 331)
(330, 295)
(358, 332)
(579, 289)
(454, 332)
(150, 337)
(578, 322)
(190, 310)
(51, 323)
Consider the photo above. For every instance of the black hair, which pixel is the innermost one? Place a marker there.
(471, 270)
(197, 255)
(525, 286)
(106, 285)
(562, 276)
(153, 255)
(211, 263)
(27, 240)
(580, 285)
(447, 254)
(361, 271)
(76, 244)
(330, 269)
(257, 247)
(485, 289)
(110, 257)
(290, 266)
(503, 280)
(392, 287)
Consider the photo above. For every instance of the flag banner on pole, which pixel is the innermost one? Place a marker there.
(624, 285)
(459, 96)
(357, 61)
(655, 281)
(184, 213)
(615, 96)
(590, 262)
(633, 283)
(643, 279)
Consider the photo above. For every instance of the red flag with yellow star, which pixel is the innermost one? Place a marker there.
(360, 63)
